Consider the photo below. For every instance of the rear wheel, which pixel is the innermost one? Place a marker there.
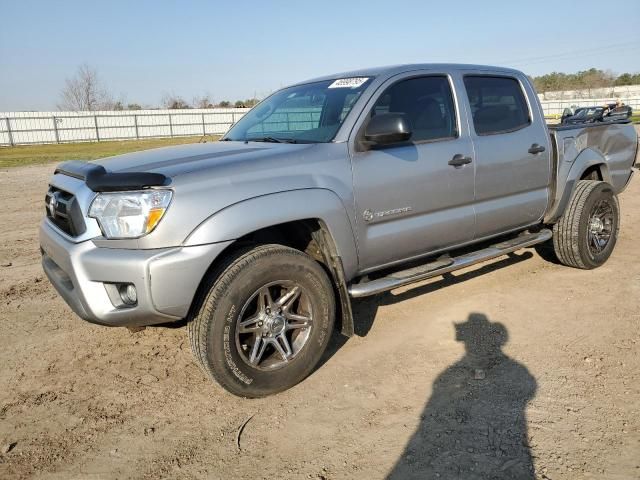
(586, 234)
(264, 322)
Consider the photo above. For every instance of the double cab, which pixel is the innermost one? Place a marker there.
(339, 187)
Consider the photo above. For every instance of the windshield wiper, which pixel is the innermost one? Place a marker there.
(271, 140)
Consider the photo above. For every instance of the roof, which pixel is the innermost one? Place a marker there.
(396, 69)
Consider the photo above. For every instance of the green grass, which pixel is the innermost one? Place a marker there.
(21, 155)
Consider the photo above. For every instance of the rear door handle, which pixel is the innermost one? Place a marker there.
(459, 160)
(535, 148)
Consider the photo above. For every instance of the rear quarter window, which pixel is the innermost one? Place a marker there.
(498, 104)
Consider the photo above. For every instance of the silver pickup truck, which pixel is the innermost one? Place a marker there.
(339, 187)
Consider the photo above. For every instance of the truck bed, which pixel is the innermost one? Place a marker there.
(615, 141)
(560, 126)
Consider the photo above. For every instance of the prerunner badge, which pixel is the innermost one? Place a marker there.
(353, 82)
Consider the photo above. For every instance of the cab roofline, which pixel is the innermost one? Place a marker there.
(388, 71)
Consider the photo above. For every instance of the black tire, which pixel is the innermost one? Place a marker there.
(545, 250)
(215, 334)
(573, 244)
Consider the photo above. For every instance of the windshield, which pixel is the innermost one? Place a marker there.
(310, 113)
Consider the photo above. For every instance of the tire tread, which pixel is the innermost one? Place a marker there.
(566, 232)
(218, 281)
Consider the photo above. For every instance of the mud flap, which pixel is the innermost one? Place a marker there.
(334, 262)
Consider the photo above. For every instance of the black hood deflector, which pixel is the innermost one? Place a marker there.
(99, 179)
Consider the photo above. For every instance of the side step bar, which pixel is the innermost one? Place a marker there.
(446, 265)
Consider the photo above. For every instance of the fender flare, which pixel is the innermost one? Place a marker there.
(335, 237)
(586, 159)
(247, 216)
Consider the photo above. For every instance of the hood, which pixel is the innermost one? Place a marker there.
(207, 178)
(182, 159)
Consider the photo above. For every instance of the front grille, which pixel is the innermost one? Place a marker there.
(63, 210)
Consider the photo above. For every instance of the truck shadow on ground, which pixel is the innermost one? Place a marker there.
(366, 309)
(474, 425)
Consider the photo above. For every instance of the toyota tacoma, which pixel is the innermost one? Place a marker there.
(335, 188)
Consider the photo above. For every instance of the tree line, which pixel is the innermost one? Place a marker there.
(85, 90)
(583, 80)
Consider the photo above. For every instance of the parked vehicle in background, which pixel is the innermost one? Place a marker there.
(339, 187)
(584, 115)
(611, 112)
(618, 111)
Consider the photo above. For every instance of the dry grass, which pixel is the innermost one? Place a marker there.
(36, 154)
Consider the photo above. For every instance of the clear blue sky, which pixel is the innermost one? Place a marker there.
(235, 49)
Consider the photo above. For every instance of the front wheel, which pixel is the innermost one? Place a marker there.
(264, 322)
(586, 234)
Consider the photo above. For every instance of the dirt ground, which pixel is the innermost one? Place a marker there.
(517, 365)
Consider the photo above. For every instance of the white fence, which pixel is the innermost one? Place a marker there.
(621, 91)
(22, 128)
(556, 107)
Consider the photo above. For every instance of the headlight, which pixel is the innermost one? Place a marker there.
(129, 214)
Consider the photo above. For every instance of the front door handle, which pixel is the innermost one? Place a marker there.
(459, 160)
(535, 148)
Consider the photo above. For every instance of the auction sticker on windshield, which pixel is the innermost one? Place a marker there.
(353, 82)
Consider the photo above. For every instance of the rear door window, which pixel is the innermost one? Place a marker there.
(498, 104)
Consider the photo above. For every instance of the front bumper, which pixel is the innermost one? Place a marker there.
(166, 279)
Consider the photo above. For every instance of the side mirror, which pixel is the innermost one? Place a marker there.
(388, 128)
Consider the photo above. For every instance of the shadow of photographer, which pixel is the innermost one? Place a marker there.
(474, 424)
